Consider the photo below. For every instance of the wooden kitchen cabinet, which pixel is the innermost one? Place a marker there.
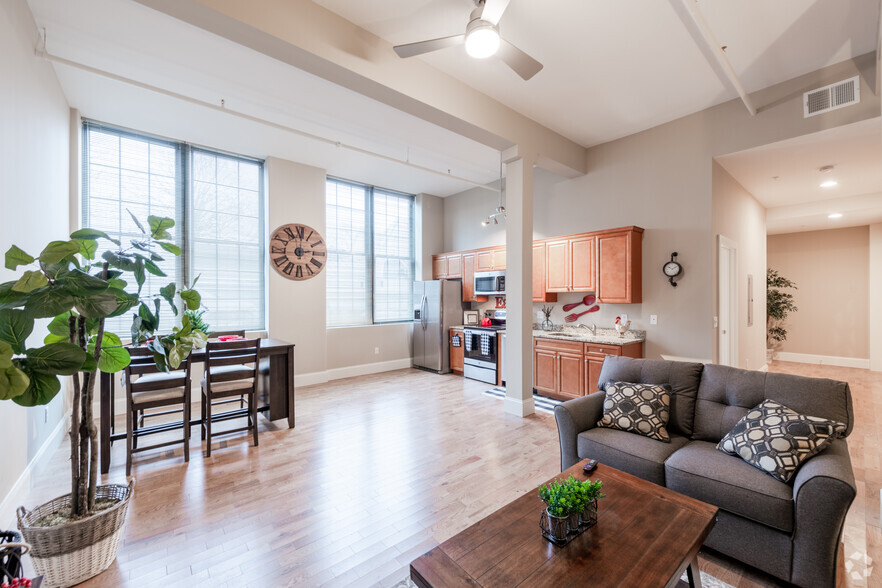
(570, 369)
(454, 265)
(620, 266)
(439, 267)
(457, 354)
(468, 279)
(490, 260)
(544, 370)
(583, 273)
(540, 294)
(557, 266)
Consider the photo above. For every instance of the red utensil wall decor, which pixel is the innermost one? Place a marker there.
(571, 318)
(588, 300)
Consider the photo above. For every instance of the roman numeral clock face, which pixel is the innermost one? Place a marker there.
(297, 252)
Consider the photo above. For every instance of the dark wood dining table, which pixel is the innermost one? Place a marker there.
(275, 389)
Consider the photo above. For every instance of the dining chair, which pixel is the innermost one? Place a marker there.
(148, 387)
(216, 335)
(231, 370)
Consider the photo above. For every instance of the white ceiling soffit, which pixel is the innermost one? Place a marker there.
(616, 68)
(786, 173)
(134, 42)
(856, 211)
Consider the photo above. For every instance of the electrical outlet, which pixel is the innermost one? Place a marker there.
(653, 319)
(376, 351)
(716, 322)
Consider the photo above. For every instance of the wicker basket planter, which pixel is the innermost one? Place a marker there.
(74, 552)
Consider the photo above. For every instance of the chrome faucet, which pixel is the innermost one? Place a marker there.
(592, 328)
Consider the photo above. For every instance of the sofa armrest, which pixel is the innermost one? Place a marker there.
(823, 490)
(573, 417)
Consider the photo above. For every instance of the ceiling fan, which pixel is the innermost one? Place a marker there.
(481, 40)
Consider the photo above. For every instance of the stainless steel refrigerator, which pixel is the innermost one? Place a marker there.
(437, 306)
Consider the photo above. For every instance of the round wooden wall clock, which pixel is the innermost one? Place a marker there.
(298, 252)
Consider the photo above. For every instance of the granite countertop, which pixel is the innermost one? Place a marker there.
(603, 336)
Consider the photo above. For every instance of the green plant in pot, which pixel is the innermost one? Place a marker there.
(76, 536)
(558, 507)
(779, 305)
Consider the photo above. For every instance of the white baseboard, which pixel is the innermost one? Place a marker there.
(852, 362)
(351, 371)
(765, 368)
(369, 368)
(519, 406)
(17, 495)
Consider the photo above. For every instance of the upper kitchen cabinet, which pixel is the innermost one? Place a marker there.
(557, 266)
(454, 265)
(620, 266)
(447, 266)
(468, 279)
(583, 263)
(439, 267)
(490, 260)
(540, 294)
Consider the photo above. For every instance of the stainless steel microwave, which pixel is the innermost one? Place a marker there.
(489, 283)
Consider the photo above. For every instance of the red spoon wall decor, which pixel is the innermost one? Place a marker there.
(571, 318)
(587, 301)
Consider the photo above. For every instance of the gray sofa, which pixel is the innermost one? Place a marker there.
(792, 531)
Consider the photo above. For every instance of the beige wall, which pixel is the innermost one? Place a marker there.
(296, 194)
(876, 297)
(831, 271)
(738, 216)
(662, 180)
(428, 233)
(356, 347)
(34, 151)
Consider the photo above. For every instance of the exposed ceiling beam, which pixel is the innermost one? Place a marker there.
(713, 46)
(314, 39)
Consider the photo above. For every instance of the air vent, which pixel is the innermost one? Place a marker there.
(832, 97)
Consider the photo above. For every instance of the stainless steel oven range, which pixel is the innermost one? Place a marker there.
(482, 349)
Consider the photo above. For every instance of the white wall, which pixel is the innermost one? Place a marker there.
(738, 216)
(428, 233)
(296, 194)
(34, 151)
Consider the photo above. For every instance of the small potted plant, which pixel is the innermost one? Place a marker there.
(589, 493)
(547, 325)
(558, 507)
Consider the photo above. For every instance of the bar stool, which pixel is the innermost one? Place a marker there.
(154, 389)
(230, 371)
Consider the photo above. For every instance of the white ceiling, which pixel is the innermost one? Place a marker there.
(129, 40)
(785, 178)
(614, 68)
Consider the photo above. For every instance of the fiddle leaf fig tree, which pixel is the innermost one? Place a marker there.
(779, 305)
(66, 283)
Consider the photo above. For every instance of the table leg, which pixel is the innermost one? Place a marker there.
(289, 384)
(693, 575)
(106, 416)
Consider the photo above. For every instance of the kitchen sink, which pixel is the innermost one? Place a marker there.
(563, 335)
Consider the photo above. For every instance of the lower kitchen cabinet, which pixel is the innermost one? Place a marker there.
(570, 369)
(457, 354)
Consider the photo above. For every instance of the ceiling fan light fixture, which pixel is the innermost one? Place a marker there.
(482, 39)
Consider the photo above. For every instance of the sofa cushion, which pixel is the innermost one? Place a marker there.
(726, 394)
(683, 378)
(637, 408)
(700, 471)
(777, 440)
(640, 456)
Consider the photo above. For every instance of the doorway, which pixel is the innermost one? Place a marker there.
(727, 292)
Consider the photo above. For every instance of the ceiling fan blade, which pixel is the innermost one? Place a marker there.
(523, 65)
(411, 49)
(493, 10)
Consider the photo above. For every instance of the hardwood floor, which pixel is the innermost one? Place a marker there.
(379, 470)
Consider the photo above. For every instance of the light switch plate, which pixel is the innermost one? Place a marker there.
(624, 318)
(653, 319)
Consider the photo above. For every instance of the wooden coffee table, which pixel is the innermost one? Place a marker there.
(645, 535)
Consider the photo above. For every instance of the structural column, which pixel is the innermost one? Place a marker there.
(519, 283)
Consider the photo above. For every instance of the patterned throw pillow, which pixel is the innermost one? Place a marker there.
(637, 408)
(778, 440)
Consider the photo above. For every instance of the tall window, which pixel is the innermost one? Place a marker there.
(216, 200)
(370, 254)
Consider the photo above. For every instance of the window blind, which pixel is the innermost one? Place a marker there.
(217, 202)
(370, 237)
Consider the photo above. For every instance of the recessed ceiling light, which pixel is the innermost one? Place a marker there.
(835, 215)
(829, 184)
